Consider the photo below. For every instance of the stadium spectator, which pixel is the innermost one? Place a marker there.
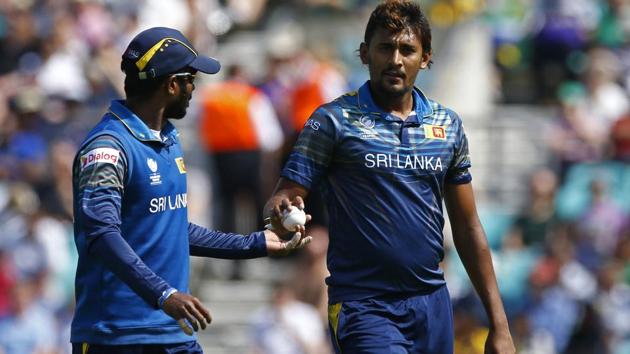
(551, 312)
(514, 263)
(28, 328)
(534, 224)
(613, 29)
(575, 137)
(562, 30)
(319, 82)
(287, 326)
(601, 226)
(613, 308)
(620, 136)
(529, 340)
(242, 137)
(607, 101)
(240, 133)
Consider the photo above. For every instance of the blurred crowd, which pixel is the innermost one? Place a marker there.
(563, 261)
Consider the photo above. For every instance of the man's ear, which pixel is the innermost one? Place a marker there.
(363, 53)
(426, 59)
(171, 85)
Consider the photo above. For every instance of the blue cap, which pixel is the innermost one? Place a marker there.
(160, 51)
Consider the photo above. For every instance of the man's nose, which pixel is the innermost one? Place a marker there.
(396, 58)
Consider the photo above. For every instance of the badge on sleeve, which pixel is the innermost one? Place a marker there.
(180, 165)
(99, 155)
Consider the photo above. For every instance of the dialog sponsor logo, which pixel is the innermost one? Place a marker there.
(100, 155)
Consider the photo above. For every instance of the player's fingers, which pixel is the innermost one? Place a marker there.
(308, 217)
(185, 327)
(286, 204)
(192, 321)
(289, 245)
(200, 320)
(299, 202)
(277, 213)
(203, 310)
(300, 228)
(305, 241)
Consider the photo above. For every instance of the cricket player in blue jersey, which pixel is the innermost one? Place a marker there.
(385, 157)
(130, 218)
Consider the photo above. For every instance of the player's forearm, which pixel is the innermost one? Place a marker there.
(100, 220)
(472, 247)
(120, 259)
(216, 244)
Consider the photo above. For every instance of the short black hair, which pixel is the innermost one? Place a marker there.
(398, 15)
(134, 87)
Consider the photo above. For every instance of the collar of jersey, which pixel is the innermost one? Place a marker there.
(420, 101)
(135, 125)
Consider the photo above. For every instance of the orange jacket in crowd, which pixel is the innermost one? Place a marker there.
(323, 83)
(236, 116)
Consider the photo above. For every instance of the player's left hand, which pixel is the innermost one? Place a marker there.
(188, 311)
(499, 342)
(276, 246)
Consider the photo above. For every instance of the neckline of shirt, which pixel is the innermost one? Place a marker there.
(138, 128)
(421, 105)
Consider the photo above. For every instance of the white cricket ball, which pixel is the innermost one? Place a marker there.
(293, 217)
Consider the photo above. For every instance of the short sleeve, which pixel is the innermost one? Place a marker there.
(458, 171)
(313, 150)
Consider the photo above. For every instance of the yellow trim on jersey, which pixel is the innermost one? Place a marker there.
(144, 60)
(333, 318)
(84, 348)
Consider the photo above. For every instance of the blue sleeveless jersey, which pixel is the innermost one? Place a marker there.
(150, 179)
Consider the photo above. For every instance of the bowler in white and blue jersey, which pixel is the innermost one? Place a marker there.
(384, 158)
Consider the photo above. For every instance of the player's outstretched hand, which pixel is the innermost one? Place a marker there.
(188, 311)
(274, 222)
(276, 246)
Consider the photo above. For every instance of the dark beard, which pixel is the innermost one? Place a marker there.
(177, 110)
